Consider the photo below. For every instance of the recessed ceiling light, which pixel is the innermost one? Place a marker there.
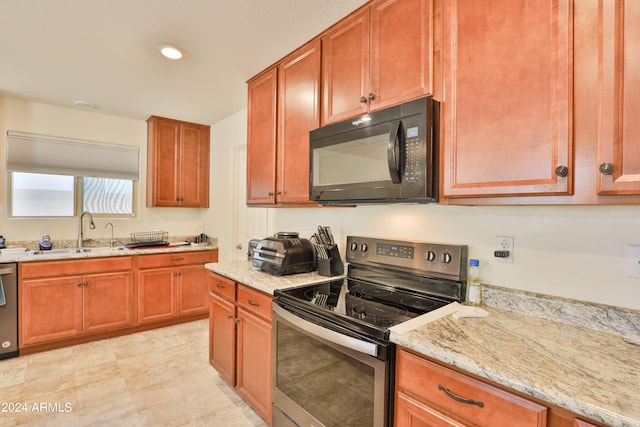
(170, 51)
(83, 104)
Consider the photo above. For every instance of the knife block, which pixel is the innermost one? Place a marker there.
(332, 266)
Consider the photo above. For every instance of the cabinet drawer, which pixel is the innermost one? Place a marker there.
(254, 301)
(222, 286)
(174, 258)
(464, 398)
(30, 270)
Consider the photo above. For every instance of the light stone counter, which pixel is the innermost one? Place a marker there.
(591, 372)
(244, 272)
(102, 252)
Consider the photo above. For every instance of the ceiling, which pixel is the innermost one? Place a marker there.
(104, 52)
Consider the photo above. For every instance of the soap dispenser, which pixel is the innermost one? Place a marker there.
(45, 243)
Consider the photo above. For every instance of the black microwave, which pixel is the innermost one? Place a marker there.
(388, 156)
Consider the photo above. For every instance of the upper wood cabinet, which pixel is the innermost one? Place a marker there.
(508, 109)
(177, 163)
(283, 106)
(619, 130)
(377, 57)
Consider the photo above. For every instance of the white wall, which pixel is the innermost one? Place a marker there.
(25, 116)
(577, 252)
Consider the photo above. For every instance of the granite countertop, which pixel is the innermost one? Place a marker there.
(95, 252)
(592, 373)
(568, 353)
(244, 272)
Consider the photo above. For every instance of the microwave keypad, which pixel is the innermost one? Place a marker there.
(412, 155)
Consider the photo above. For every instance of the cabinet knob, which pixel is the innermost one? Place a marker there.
(606, 168)
(237, 321)
(270, 193)
(85, 284)
(278, 193)
(78, 284)
(371, 97)
(229, 316)
(562, 171)
(363, 99)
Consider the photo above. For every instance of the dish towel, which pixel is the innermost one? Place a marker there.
(3, 300)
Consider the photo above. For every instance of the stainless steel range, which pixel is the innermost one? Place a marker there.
(332, 360)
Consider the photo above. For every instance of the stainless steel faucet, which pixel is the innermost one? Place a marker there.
(110, 241)
(92, 226)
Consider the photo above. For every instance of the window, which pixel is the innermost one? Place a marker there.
(61, 177)
(34, 194)
(38, 195)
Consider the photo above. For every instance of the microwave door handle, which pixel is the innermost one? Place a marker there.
(395, 139)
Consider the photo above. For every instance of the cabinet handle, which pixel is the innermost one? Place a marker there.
(85, 284)
(79, 284)
(606, 169)
(253, 303)
(220, 285)
(363, 100)
(237, 321)
(562, 171)
(229, 316)
(177, 259)
(371, 97)
(278, 193)
(458, 398)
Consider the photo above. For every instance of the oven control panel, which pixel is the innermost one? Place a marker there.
(429, 259)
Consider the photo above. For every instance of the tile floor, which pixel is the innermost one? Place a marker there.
(155, 378)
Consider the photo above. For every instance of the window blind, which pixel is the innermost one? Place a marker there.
(61, 156)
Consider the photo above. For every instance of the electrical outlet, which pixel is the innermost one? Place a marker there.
(633, 261)
(504, 249)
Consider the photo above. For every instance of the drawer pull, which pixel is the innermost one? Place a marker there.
(458, 398)
(220, 285)
(253, 303)
(177, 259)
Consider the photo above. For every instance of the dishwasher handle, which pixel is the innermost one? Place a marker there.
(5, 271)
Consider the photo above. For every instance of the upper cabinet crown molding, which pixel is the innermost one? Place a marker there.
(177, 163)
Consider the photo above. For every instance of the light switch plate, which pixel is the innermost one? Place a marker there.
(633, 261)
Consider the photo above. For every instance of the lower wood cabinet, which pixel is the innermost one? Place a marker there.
(63, 302)
(240, 340)
(171, 285)
(428, 394)
(57, 301)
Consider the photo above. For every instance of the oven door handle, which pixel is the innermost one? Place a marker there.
(327, 334)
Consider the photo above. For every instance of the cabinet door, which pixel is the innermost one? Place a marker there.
(162, 162)
(222, 337)
(508, 108)
(194, 166)
(261, 138)
(401, 51)
(156, 294)
(192, 289)
(345, 69)
(108, 301)
(299, 112)
(412, 413)
(619, 151)
(253, 379)
(50, 309)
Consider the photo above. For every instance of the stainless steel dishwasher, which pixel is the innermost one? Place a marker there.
(8, 310)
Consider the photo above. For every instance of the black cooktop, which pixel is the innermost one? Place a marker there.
(370, 308)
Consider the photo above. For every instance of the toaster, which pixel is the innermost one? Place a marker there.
(284, 253)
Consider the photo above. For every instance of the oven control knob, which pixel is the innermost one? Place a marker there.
(446, 258)
(364, 247)
(431, 256)
(353, 246)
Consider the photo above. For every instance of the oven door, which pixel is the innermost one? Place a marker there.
(325, 378)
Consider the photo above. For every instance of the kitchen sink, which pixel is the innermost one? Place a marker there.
(72, 251)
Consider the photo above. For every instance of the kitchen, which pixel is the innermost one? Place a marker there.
(576, 252)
